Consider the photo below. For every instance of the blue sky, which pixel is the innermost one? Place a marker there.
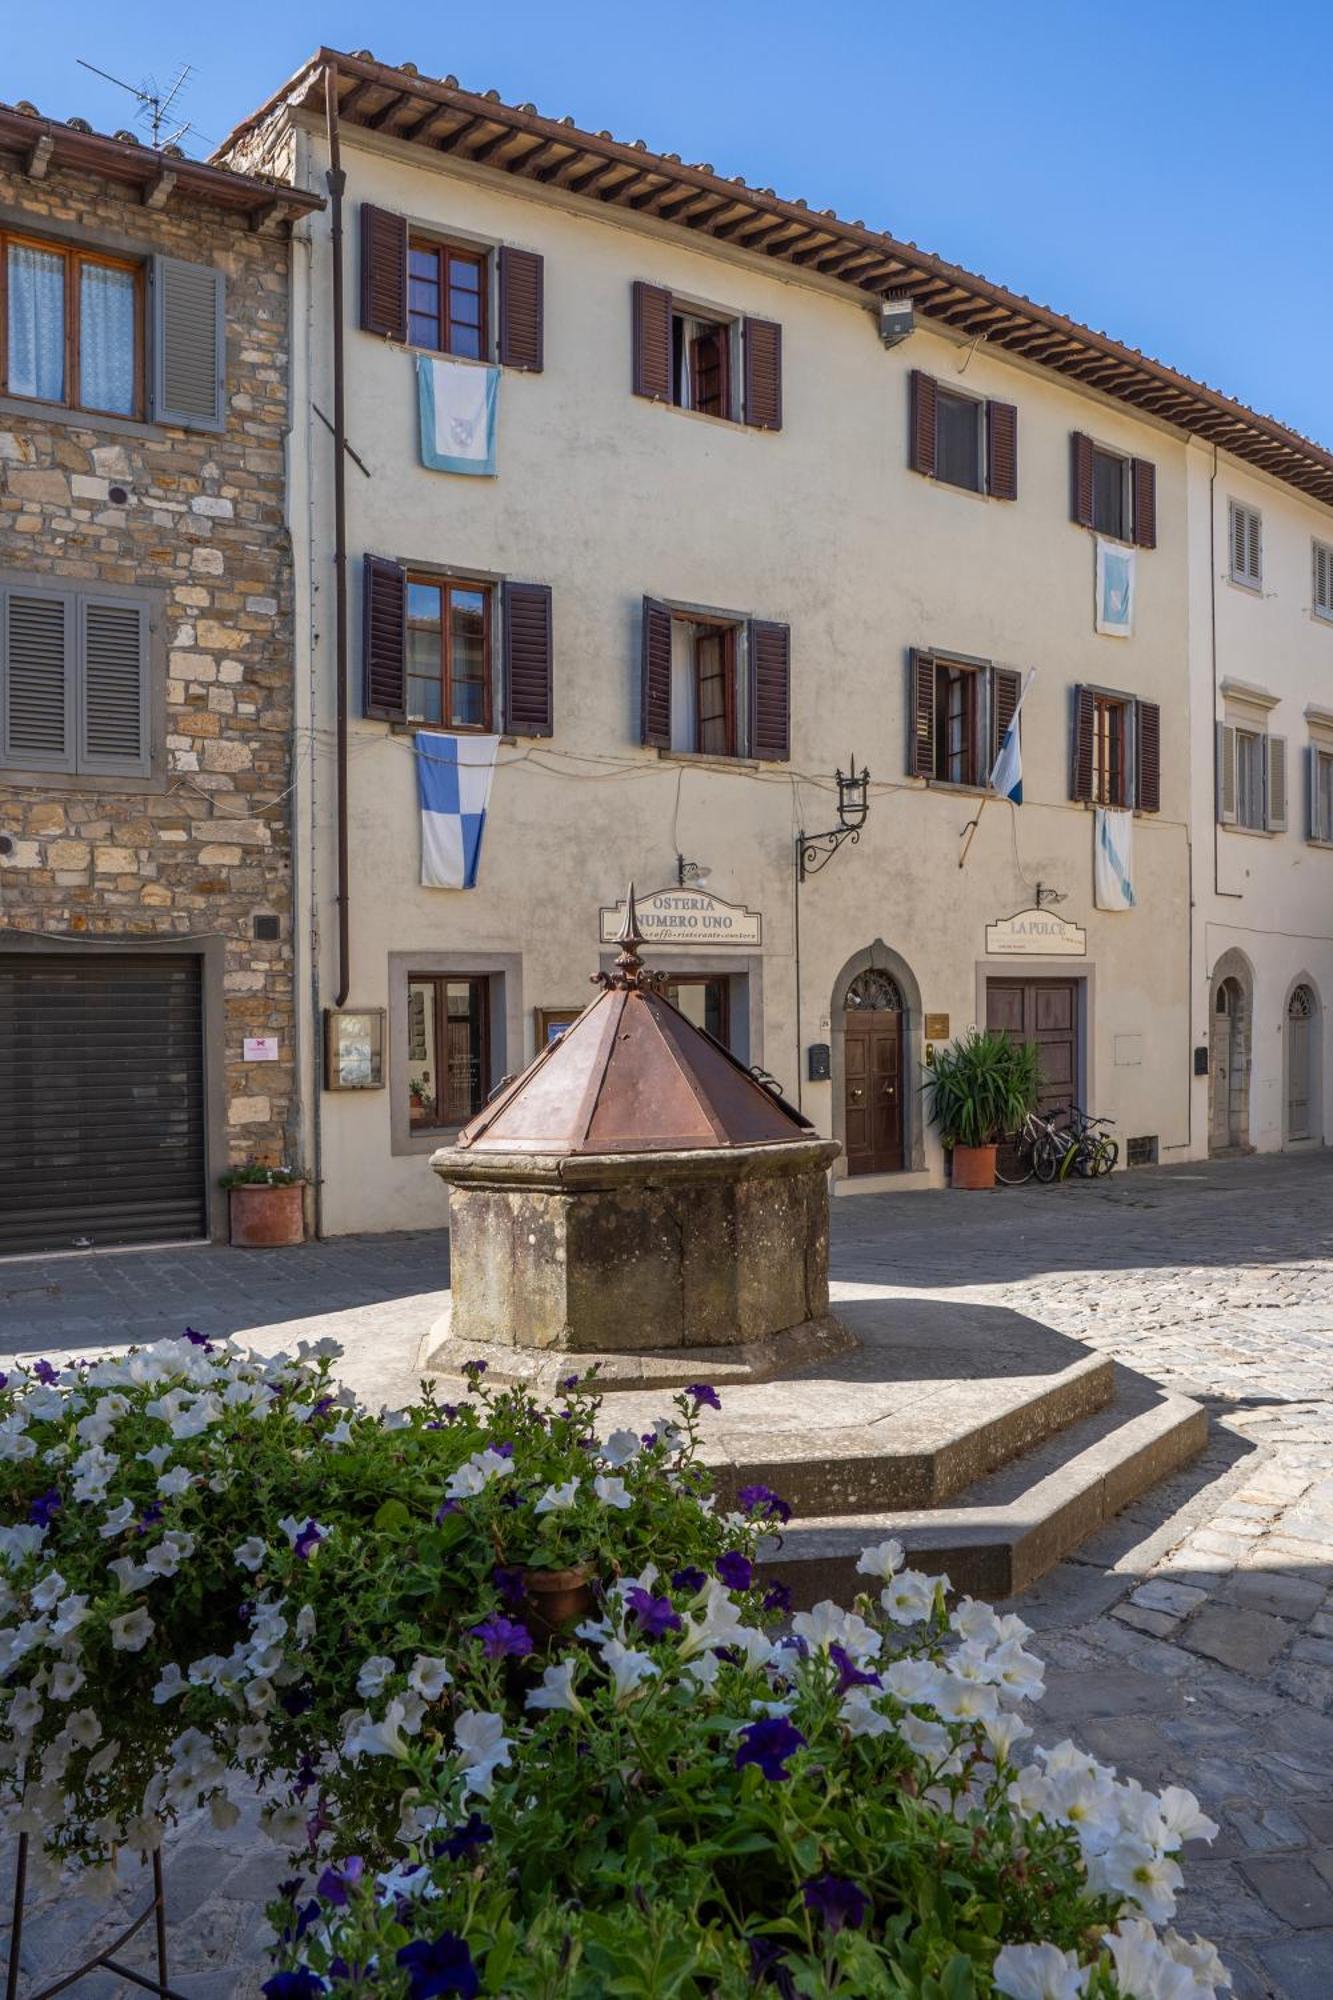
(1160, 171)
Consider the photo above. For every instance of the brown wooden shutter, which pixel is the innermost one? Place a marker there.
(655, 676)
(652, 342)
(761, 340)
(1080, 479)
(921, 749)
(522, 310)
(383, 272)
(1006, 685)
(1148, 756)
(1085, 718)
(1144, 477)
(770, 690)
(1002, 451)
(384, 626)
(921, 429)
(528, 701)
(1226, 773)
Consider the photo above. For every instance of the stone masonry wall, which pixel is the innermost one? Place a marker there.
(204, 523)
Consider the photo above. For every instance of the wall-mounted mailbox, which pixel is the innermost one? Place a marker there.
(819, 1065)
(1201, 1062)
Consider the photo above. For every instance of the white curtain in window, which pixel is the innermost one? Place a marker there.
(684, 693)
(36, 323)
(106, 339)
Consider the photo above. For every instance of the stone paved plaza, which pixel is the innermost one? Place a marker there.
(1191, 1642)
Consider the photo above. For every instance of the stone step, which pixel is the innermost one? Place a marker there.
(1013, 1525)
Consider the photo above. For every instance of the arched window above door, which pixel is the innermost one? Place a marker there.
(874, 991)
(1301, 1006)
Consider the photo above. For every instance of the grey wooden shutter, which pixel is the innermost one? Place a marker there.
(1080, 479)
(652, 342)
(1323, 579)
(1314, 817)
(1143, 482)
(112, 682)
(1006, 686)
(921, 709)
(921, 424)
(1081, 759)
(383, 272)
(770, 690)
(528, 706)
(384, 640)
(1226, 774)
(522, 310)
(1147, 757)
(761, 343)
(189, 345)
(655, 676)
(1002, 451)
(1275, 784)
(37, 680)
(1245, 536)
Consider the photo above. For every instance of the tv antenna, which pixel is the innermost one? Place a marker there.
(155, 102)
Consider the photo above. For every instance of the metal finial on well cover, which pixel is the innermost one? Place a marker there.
(630, 972)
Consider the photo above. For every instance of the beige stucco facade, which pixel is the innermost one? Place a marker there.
(607, 498)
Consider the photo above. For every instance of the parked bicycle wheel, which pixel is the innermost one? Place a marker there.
(1047, 1154)
(1014, 1160)
(1108, 1152)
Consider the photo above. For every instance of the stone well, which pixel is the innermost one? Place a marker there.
(638, 1199)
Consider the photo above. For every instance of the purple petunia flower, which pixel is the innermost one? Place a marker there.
(768, 1966)
(703, 1392)
(509, 1583)
(197, 1339)
(656, 1615)
(735, 1570)
(442, 1967)
(149, 1518)
(322, 1407)
(465, 1840)
(503, 1638)
(296, 1701)
(777, 1597)
(762, 1499)
(690, 1579)
(45, 1507)
(308, 1540)
(503, 1449)
(45, 1373)
(567, 1384)
(4, 1381)
(769, 1744)
(445, 1508)
(335, 1883)
(835, 1902)
(473, 1369)
(849, 1674)
(302, 1984)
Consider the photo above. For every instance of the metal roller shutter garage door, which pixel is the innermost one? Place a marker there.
(101, 1101)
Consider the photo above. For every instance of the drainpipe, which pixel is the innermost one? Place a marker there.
(337, 182)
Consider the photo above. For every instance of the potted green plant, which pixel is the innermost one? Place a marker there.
(980, 1088)
(266, 1206)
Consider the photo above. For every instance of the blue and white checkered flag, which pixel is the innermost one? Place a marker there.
(1007, 777)
(454, 788)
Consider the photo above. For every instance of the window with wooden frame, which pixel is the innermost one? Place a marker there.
(448, 1048)
(1319, 792)
(706, 361)
(705, 999)
(74, 681)
(701, 373)
(1112, 493)
(448, 306)
(712, 685)
(448, 653)
(1322, 580)
(706, 696)
(1117, 750)
(73, 326)
(961, 440)
(960, 709)
(1245, 537)
(1251, 778)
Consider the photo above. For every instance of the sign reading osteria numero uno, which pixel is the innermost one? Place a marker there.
(1038, 932)
(687, 916)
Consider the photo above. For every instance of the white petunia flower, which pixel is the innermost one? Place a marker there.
(1135, 1868)
(49, 1591)
(428, 1677)
(116, 1522)
(24, 1711)
(174, 1482)
(84, 1729)
(1002, 1733)
(628, 1669)
(1178, 1811)
(171, 1682)
(475, 1474)
(611, 1492)
(718, 1622)
(70, 1614)
(251, 1554)
(971, 1619)
(131, 1633)
(1019, 1673)
(860, 1716)
(966, 1701)
(885, 1560)
(1144, 1967)
(66, 1680)
(374, 1673)
(557, 1689)
(129, 1574)
(930, 1740)
(829, 1625)
(166, 1556)
(556, 1498)
(1038, 1972)
(910, 1598)
(285, 1824)
(620, 1448)
(482, 1747)
(1200, 1957)
(305, 1624)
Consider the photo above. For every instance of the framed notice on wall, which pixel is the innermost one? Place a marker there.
(354, 1048)
(552, 1022)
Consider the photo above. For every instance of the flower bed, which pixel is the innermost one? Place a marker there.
(218, 1572)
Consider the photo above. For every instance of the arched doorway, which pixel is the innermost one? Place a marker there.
(874, 1020)
(1302, 1065)
(1229, 1061)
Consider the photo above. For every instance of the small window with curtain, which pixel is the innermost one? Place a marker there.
(701, 373)
(1110, 759)
(958, 710)
(447, 303)
(448, 653)
(1250, 754)
(73, 326)
(448, 1049)
(706, 694)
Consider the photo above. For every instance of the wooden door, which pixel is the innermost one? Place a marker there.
(1300, 1010)
(1043, 1011)
(1220, 1049)
(873, 1085)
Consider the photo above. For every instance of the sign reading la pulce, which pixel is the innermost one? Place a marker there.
(1039, 932)
(686, 916)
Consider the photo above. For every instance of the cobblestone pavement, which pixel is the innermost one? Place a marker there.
(1190, 1642)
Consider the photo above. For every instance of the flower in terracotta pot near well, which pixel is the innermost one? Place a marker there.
(979, 1090)
(267, 1207)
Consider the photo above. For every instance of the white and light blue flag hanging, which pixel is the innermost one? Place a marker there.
(457, 402)
(1007, 777)
(1113, 859)
(454, 789)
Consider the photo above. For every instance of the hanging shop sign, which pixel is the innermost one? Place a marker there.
(1037, 933)
(686, 916)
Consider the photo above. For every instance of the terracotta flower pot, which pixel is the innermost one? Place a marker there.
(554, 1598)
(974, 1166)
(267, 1218)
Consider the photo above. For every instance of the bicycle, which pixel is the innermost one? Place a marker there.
(1036, 1148)
(1094, 1152)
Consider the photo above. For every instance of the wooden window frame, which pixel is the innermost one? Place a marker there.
(975, 680)
(445, 252)
(446, 585)
(722, 981)
(944, 393)
(75, 256)
(725, 328)
(706, 631)
(1321, 609)
(1259, 738)
(1112, 716)
(1125, 532)
(1241, 511)
(440, 982)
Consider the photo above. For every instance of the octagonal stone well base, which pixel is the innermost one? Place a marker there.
(655, 1265)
